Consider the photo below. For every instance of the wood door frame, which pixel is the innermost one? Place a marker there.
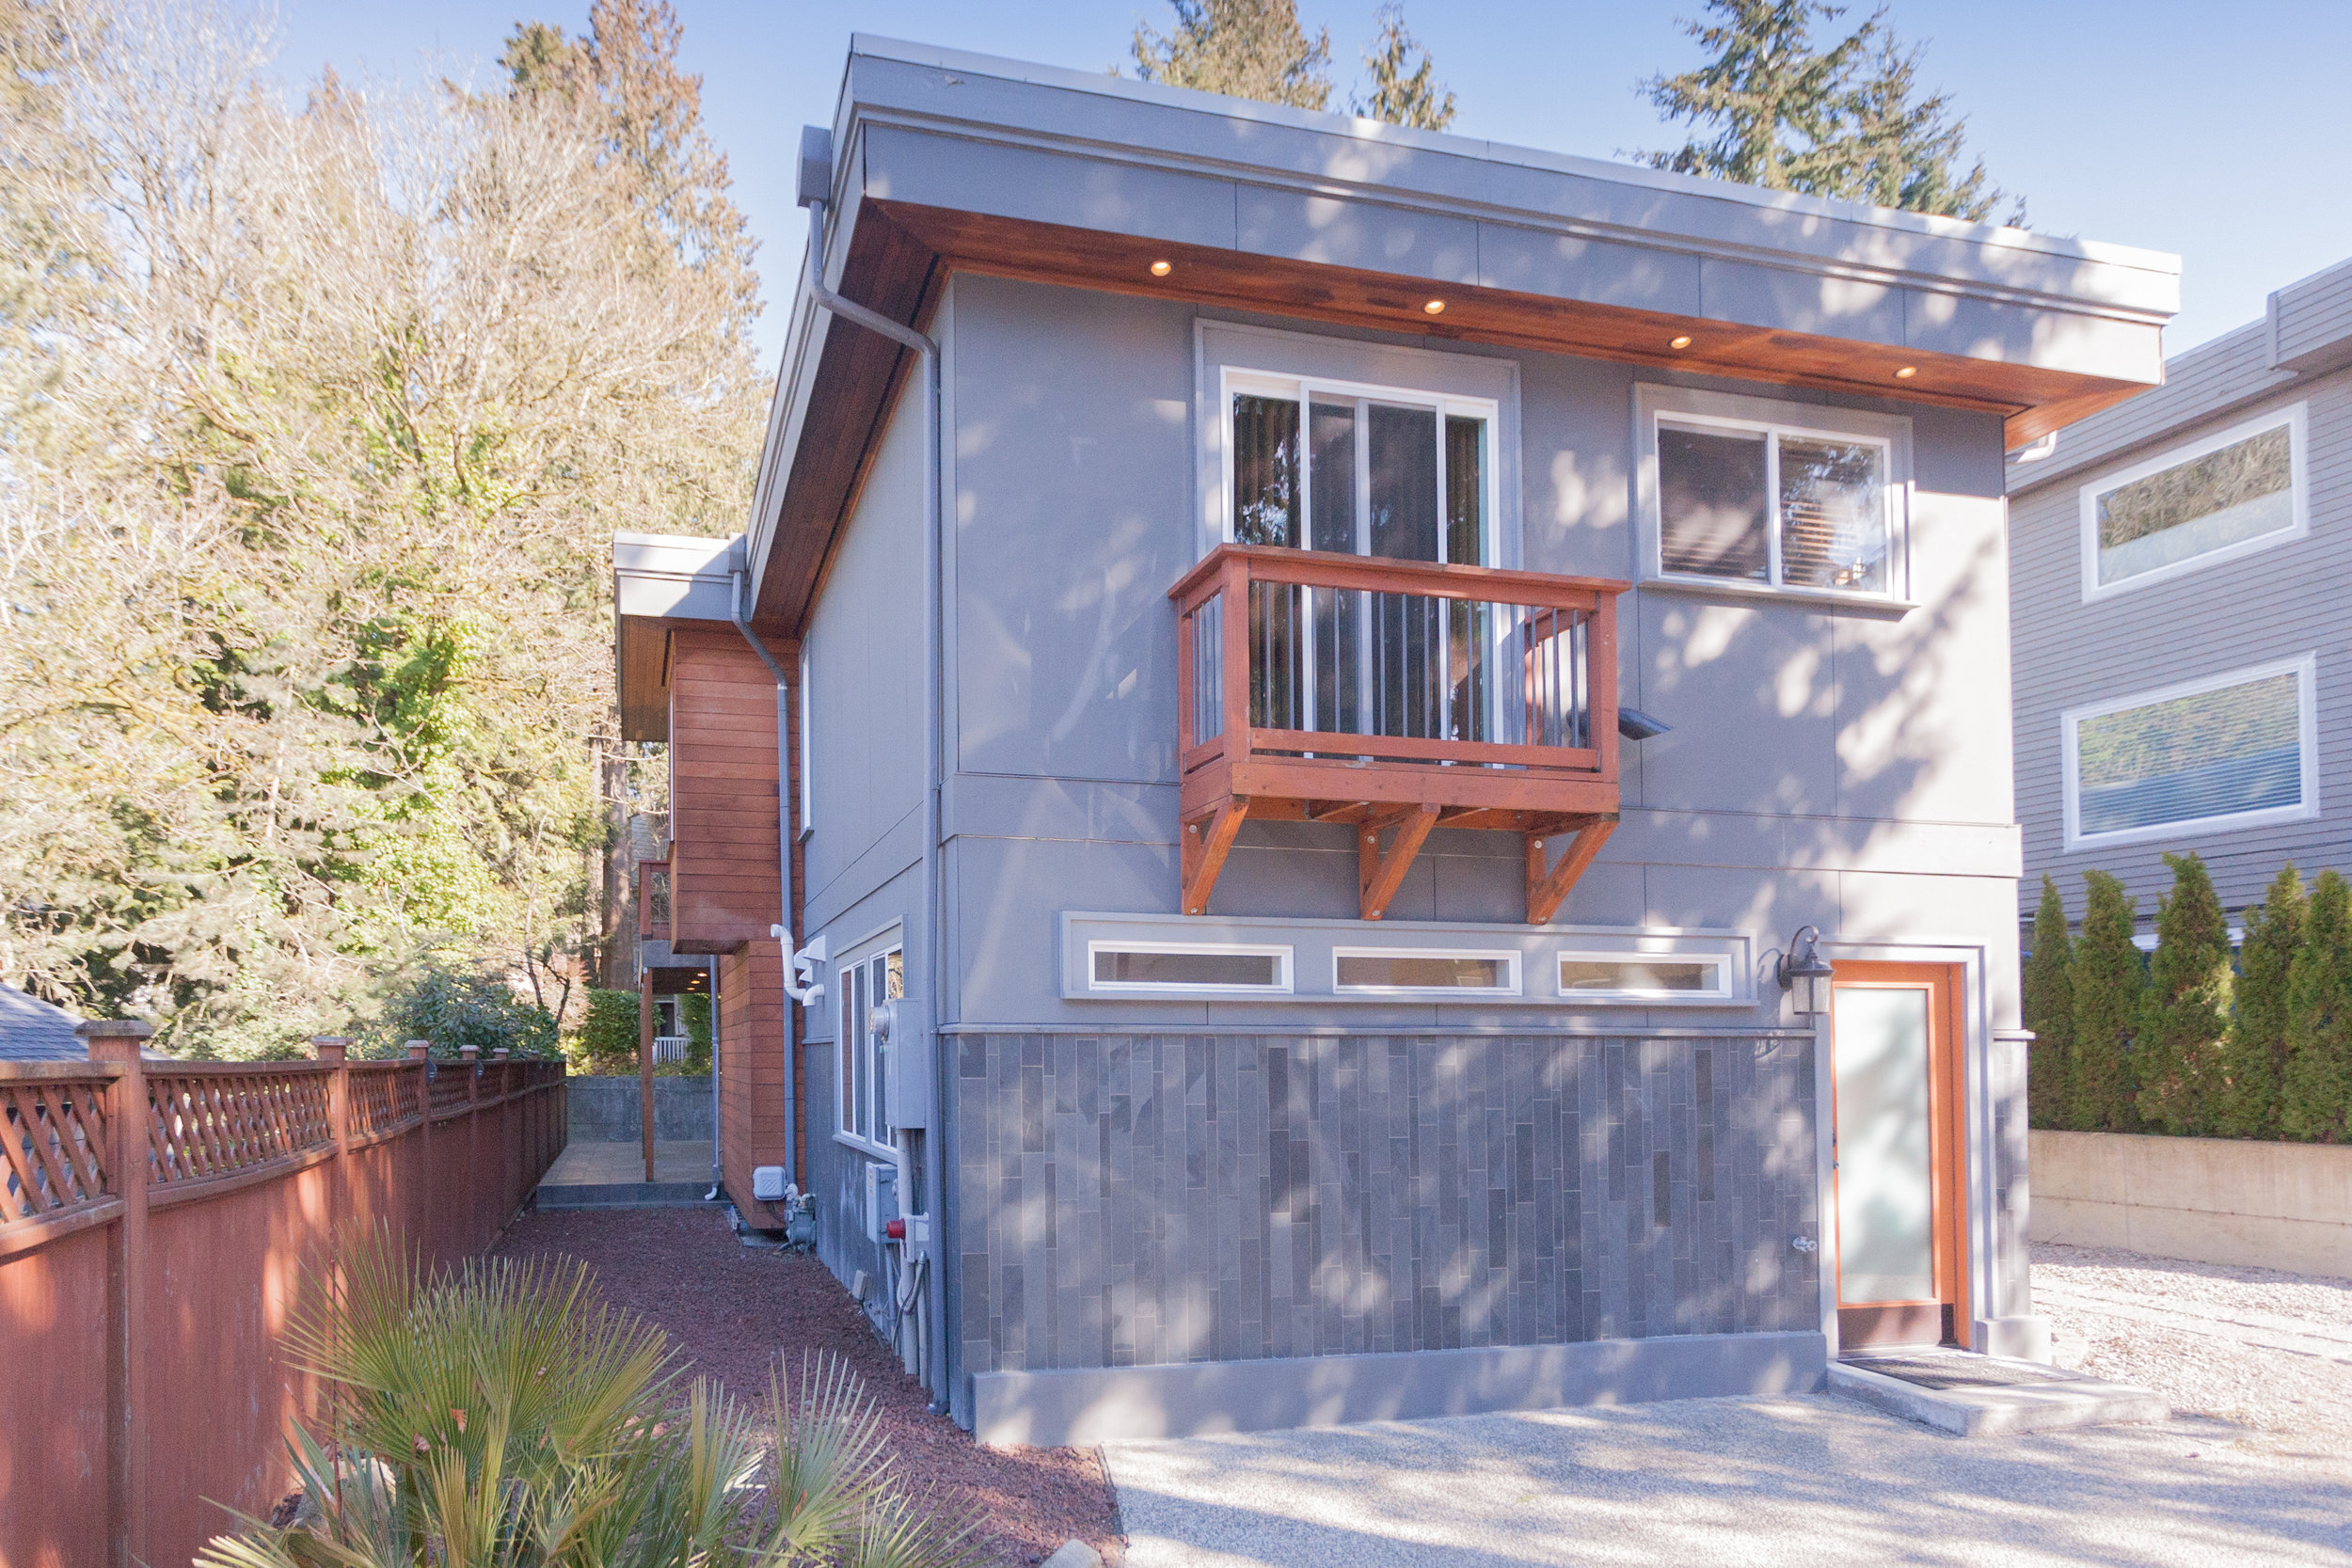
(1948, 1123)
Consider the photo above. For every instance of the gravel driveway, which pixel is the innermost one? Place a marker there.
(2268, 1353)
(1741, 1483)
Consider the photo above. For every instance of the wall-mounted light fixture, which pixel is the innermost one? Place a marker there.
(1803, 974)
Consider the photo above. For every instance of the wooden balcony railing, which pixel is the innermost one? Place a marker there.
(1398, 696)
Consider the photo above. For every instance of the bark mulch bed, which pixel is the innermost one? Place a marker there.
(730, 1310)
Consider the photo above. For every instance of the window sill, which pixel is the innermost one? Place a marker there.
(1828, 598)
(867, 1147)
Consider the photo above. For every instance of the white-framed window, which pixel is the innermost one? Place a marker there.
(808, 774)
(2221, 496)
(1662, 978)
(873, 974)
(1322, 463)
(2231, 751)
(1745, 495)
(1413, 971)
(1238, 968)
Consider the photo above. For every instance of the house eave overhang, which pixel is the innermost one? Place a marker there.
(947, 162)
(660, 580)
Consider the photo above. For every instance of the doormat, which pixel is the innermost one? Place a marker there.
(1962, 1371)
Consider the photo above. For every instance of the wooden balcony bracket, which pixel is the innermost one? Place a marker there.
(1547, 888)
(1378, 875)
(1207, 841)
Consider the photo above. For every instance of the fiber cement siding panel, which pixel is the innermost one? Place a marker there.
(2276, 603)
(932, 170)
(1133, 1199)
(1792, 301)
(1741, 681)
(1601, 272)
(1352, 232)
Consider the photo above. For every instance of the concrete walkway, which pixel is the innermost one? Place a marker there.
(597, 1164)
(1810, 1483)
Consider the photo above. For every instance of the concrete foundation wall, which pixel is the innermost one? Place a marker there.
(1167, 1200)
(2211, 1200)
(604, 1110)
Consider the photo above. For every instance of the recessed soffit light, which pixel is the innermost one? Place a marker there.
(1906, 372)
(1161, 269)
(1434, 308)
(1683, 342)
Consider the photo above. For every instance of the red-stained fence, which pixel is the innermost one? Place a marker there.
(156, 1220)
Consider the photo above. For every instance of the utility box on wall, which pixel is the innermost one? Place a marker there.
(909, 1072)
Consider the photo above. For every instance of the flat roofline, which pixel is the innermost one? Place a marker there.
(1104, 85)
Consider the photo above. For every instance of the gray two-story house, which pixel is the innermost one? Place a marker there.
(2183, 647)
(1383, 761)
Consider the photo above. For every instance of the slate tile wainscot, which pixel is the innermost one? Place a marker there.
(1584, 1218)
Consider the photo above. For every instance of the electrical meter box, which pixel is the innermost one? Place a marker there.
(908, 1067)
(882, 1196)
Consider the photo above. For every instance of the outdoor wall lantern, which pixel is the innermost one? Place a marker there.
(1803, 974)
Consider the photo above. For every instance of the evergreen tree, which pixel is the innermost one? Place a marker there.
(2186, 1010)
(2108, 979)
(1242, 48)
(1403, 93)
(2316, 1087)
(2050, 1012)
(2255, 1047)
(1841, 121)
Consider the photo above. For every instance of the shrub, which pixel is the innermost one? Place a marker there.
(504, 1415)
(2316, 1084)
(2256, 1047)
(607, 1039)
(2186, 1012)
(694, 1013)
(455, 1002)
(2049, 1012)
(2106, 980)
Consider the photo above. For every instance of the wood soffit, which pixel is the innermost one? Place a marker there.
(900, 256)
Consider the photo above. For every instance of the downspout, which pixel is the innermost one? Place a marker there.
(783, 894)
(718, 1167)
(934, 1180)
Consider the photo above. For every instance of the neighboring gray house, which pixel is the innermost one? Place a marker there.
(1266, 976)
(2178, 568)
(32, 1030)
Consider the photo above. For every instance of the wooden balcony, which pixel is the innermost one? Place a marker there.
(1396, 696)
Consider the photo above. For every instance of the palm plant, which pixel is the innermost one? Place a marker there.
(504, 1416)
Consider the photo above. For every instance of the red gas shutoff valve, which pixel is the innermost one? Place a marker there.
(895, 1229)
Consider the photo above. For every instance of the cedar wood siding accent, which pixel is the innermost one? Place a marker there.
(722, 878)
(2274, 604)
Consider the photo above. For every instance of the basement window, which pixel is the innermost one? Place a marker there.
(1396, 970)
(1115, 967)
(1644, 977)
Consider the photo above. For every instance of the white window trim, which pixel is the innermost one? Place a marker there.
(1721, 991)
(2305, 668)
(1234, 380)
(1510, 963)
(2294, 418)
(1770, 417)
(1281, 953)
(863, 954)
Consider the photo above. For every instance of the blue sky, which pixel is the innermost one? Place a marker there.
(2216, 133)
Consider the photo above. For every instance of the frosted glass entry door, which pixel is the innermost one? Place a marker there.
(1886, 1181)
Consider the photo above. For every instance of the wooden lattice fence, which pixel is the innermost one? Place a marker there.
(156, 1221)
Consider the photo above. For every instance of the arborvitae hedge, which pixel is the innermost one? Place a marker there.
(2176, 1054)
(2180, 1043)
(2049, 1012)
(2107, 979)
(2316, 1085)
(2256, 1048)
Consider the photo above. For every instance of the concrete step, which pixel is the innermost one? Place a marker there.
(1984, 1395)
(619, 1194)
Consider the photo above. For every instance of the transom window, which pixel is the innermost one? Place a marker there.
(1361, 470)
(2233, 751)
(1759, 496)
(875, 975)
(2237, 490)
(1188, 966)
